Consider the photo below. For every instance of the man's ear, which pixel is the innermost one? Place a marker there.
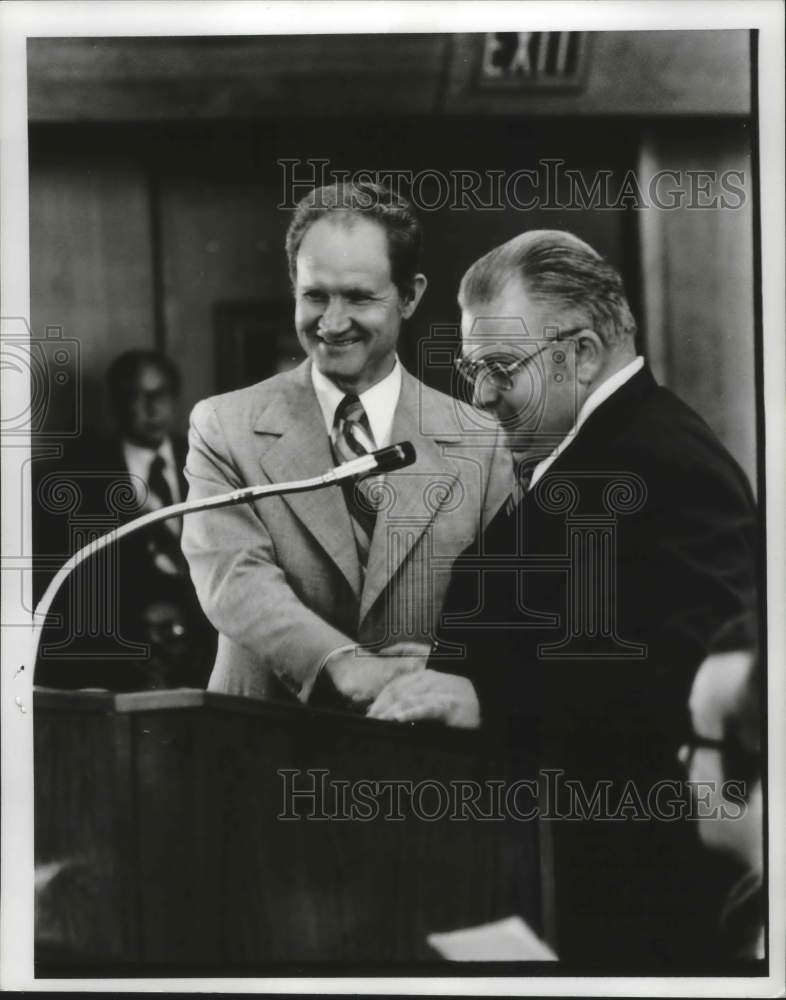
(590, 357)
(410, 300)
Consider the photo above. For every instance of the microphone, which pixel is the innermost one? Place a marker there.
(396, 456)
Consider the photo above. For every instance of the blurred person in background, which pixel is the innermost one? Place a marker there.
(146, 598)
(722, 759)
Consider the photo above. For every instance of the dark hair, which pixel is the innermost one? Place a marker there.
(555, 266)
(368, 200)
(124, 371)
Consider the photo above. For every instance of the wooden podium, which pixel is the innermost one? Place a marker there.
(162, 837)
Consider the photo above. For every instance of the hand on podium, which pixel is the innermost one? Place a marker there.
(358, 675)
(429, 695)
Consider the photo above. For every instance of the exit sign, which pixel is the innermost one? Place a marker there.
(534, 60)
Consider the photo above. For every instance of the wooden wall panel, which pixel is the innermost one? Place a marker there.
(698, 282)
(222, 241)
(86, 879)
(90, 265)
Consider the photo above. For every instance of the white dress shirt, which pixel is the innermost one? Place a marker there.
(379, 402)
(138, 461)
(591, 403)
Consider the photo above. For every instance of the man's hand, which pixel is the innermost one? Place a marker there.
(359, 675)
(429, 694)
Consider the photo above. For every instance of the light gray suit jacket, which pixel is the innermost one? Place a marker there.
(280, 579)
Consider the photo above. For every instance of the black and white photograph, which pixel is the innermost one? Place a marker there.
(393, 447)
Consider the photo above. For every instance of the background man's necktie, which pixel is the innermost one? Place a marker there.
(351, 437)
(165, 538)
(156, 482)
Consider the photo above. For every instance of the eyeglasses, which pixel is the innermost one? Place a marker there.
(499, 373)
(695, 742)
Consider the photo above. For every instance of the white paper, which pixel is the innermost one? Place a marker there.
(508, 940)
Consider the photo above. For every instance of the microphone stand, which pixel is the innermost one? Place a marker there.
(385, 460)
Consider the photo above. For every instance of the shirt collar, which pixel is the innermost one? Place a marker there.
(607, 388)
(138, 454)
(591, 403)
(379, 401)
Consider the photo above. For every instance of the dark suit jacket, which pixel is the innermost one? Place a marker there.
(661, 560)
(99, 467)
(141, 582)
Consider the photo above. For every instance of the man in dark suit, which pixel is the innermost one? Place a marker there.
(142, 592)
(162, 607)
(578, 624)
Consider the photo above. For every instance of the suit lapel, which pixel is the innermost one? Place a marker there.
(180, 449)
(414, 505)
(596, 437)
(294, 445)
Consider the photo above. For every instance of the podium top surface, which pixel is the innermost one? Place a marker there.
(201, 702)
(99, 699)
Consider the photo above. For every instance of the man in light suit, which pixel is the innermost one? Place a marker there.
(581, 626)
(328, 595)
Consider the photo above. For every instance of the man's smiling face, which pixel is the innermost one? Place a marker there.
(348, 311)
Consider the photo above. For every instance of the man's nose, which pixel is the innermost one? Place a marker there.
(683, 755)
(335, 318)
(153, 405)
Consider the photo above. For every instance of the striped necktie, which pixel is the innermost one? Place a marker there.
(157, 483)
(163, 541)
(160, 489)
(351, 437)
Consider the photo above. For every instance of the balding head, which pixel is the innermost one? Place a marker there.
(559, 268)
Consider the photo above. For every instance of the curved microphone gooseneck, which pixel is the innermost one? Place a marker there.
(397, 456)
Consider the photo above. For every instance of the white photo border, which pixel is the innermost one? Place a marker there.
(20, 20)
